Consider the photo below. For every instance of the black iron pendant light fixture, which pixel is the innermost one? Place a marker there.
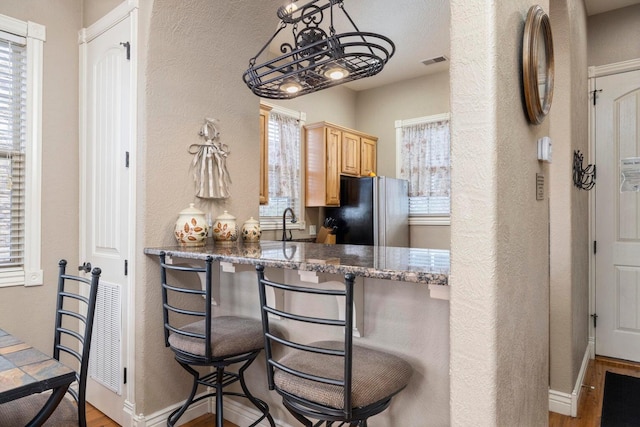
(317, 58)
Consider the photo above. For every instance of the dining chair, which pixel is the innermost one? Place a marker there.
(198, 338)
(75, 310)
(332, 381)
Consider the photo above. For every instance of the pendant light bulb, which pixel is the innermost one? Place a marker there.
(336, 73)
(291, 87)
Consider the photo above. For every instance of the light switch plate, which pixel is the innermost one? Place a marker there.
(312, 230)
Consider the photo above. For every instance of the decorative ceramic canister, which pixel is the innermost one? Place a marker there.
(191, 227)
(225, 229)
(251, 231)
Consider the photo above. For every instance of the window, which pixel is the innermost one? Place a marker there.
(424, 160)
(21, 45)
(285, 172)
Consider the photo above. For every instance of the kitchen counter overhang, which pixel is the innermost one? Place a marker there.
(414, 265)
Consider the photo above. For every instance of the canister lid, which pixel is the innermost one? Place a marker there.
(191, 210)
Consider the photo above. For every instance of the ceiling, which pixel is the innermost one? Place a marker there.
(599, 6)
(420, 31)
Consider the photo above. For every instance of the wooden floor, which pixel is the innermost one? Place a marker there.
(96, 418)
(590, 405)
(589, 408)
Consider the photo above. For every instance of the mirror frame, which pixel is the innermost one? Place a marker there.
(537, 29)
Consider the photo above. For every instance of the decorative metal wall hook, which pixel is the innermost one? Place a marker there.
(583, 178)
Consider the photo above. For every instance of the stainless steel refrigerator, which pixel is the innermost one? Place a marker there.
(373, 211)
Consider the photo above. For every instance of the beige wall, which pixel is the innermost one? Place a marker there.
(379, 108)
(613, 36)
(191, 69)
(499, 244)
(430, 236)
(569, 258)
(92, 10)
(336, 105)
(29, 312)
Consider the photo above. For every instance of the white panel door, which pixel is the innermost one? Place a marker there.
(617, 218)
(105, 229)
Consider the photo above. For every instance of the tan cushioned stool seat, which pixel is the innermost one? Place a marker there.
(376, 375)
(18, 413)
(231, 335)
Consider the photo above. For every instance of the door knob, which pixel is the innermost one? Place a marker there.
(86, 267)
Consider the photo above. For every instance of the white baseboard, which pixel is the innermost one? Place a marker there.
(159, 418)
(234, 411)
(565, 403)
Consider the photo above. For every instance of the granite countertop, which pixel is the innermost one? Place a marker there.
(429, 266)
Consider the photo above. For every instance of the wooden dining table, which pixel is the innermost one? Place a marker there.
(25, 370)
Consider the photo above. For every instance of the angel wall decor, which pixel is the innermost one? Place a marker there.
(209, 164)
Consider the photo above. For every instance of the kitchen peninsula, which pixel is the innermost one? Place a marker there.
(428, 266)
(400, 306)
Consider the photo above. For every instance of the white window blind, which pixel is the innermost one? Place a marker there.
(13, 123)
(285, 175)
(21, 53)
(424, 160)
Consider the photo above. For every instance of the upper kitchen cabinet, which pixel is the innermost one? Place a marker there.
(331, 151)
(350, 150)
(264, 154)
(367, 156)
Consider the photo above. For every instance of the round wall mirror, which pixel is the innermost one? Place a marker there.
(537, 64)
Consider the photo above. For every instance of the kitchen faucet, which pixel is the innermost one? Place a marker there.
(284, 224)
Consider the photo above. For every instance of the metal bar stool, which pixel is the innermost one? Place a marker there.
(329, 381)
(217, 342)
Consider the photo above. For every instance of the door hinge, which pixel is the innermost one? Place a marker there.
(594, 316)
(124, 375)
(127, 46)
(595, 95)
(126, 159)
(126, 267)
(595, 247)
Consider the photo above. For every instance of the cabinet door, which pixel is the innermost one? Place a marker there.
(333, 137)
(264, 156)
(350, 164)
(367, 156)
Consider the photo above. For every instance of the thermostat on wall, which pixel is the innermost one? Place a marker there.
(544, 149)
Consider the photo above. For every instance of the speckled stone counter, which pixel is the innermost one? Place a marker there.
(429, 266)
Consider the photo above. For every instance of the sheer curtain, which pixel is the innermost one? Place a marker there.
(284, 165)
(425, 163)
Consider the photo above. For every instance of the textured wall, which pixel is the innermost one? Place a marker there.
(499, 245)
(569, 258)
(59, 167)
(196, 54)
(613, 36)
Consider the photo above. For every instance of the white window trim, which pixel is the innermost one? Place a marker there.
(399, 124)
(36, 35)
(300, 224)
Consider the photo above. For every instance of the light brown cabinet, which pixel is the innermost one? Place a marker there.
(368, 163)
(264, 154)
(332, 151)
(350, 164)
